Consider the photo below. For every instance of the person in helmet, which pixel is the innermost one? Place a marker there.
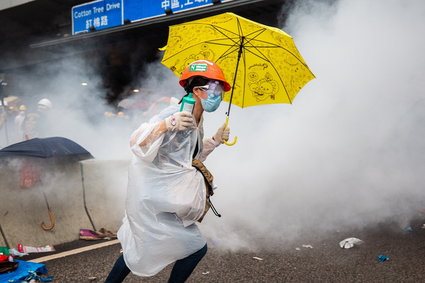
(166, 195)
(44, 105)
(36, 123)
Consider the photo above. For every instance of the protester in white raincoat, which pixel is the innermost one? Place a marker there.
(166, 194)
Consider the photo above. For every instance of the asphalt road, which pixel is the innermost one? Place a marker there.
(324, 261)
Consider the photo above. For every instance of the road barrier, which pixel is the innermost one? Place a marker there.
(80, 195)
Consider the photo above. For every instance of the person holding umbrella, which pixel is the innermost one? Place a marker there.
(166, 195)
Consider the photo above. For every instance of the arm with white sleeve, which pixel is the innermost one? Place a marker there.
(146, 139)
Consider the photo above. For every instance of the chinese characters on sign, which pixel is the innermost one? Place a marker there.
(175, 4)
(99, 14)
(136, 10)
(103, 14)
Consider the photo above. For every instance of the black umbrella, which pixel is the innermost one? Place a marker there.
(46, 148)
(54, 147)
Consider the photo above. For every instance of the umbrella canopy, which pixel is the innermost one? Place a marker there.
(46, 148)
(262, 63)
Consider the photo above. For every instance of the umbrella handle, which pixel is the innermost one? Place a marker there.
(52, 222)
(235, 139)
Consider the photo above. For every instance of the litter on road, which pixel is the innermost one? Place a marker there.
(382, 258)
(102, 234)
(349, 243)
(14, 252)
(257, 258)
(28, 249)
(25, 272)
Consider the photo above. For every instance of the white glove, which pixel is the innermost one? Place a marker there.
(179, 121)
(223, 134)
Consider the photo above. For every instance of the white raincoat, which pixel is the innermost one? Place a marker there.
(165, 197)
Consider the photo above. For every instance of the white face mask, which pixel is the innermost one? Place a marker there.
(214, 91)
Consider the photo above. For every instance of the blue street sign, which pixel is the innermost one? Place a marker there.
(98, 14)
(103, 14)
(135, 10)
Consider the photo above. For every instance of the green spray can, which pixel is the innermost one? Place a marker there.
(188, 103)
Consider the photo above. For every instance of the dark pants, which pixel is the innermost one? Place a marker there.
(181, 269)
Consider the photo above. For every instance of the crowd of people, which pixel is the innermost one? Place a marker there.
(18, 123)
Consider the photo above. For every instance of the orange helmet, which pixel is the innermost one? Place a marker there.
(204, 68)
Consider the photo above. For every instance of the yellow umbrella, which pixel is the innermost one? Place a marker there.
(261, 63)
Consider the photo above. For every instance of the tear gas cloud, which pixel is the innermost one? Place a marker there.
(349, 152)
(79, 112)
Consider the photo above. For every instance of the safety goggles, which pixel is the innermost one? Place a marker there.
(213, 88)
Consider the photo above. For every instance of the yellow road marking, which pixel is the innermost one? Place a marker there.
(73, 252)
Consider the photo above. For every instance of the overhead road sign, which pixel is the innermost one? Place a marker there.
(253, 6)
(100, 14)
(135, 10)
(103, 14)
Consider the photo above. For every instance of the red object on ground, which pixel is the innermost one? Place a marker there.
(3, 258)
(20, 248)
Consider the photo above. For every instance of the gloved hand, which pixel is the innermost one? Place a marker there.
(222, 134)
(179, 121)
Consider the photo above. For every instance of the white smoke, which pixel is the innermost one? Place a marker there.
(346, 154)
(78, 110)
(349, 152)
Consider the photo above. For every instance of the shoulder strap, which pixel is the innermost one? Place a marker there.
(205, 172)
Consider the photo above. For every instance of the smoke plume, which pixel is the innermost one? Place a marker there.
(348, 153)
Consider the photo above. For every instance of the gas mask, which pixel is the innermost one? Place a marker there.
(214, 91)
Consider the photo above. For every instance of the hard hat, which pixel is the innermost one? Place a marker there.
(22, 107)
(45, 102)
(204, 68)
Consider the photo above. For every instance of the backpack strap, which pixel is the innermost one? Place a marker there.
(208, 178)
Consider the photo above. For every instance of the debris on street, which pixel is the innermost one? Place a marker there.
(349, 243)
(102, 234)
(307, 246)
(26, 272)
(408, 229)
(29, 249)
(14, 252)
(382, 258)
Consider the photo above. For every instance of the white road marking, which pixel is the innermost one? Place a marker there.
(73, 252)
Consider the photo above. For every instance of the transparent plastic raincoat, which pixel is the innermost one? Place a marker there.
(165, 197)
